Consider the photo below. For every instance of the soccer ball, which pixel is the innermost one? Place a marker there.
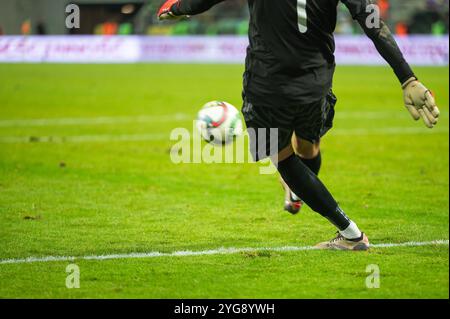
(219, 122)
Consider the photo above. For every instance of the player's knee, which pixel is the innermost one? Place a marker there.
(306, 149)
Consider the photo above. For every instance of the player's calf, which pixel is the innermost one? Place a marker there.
(309, 154)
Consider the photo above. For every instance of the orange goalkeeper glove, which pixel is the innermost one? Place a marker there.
(166, 11)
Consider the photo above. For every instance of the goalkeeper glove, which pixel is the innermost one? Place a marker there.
(420, 102)
(166, 11)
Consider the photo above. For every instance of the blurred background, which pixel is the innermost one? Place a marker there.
(137, 17)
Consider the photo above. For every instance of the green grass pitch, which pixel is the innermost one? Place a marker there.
(84, 191)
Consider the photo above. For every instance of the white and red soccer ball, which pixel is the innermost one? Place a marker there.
(219, 122)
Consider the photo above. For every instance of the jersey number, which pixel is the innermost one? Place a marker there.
(302, 16)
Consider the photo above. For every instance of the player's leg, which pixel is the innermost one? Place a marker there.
(297, 175)
(313, 192)
(310, 155)
(311, 123)
(307, 185)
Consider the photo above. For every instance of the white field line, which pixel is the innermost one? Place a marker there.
(86, 138)
(165, 136)
(111, 120)
(219, 251)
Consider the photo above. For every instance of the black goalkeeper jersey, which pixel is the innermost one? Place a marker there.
(290, 59)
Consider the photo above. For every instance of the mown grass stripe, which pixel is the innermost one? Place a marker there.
(103, 138)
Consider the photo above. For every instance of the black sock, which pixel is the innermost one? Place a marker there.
(313, 163)
(305, 184)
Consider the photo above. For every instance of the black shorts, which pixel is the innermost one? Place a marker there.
(271, 128)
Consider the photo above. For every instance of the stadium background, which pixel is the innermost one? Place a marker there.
(218, 36)
(85, 164)
(138, 17)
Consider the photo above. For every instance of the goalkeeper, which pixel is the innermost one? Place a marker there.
(287, 85)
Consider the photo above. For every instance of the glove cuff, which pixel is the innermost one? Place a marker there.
(407, 82)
